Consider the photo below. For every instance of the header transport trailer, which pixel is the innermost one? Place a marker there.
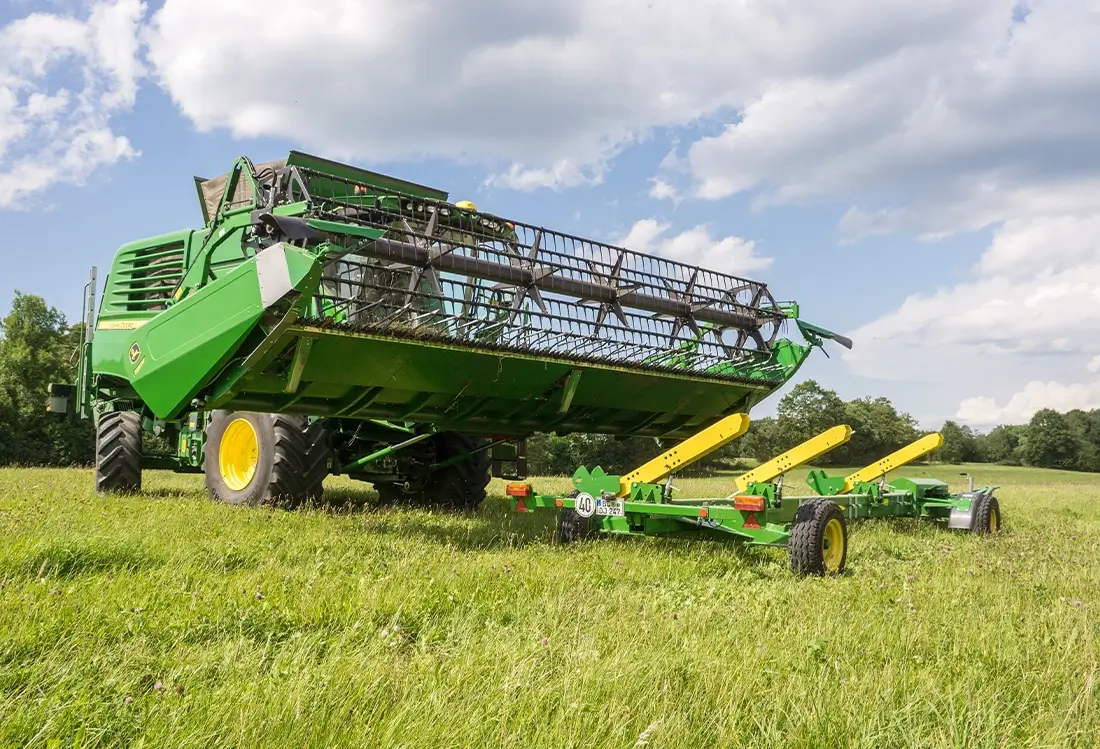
(331, 320)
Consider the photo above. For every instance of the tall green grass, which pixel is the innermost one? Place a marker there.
(167, 620)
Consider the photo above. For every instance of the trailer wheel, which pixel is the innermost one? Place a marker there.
(259, 459)
(118, 453)
(987, 516)
(461, 485)
(818, 543)
(572, 526)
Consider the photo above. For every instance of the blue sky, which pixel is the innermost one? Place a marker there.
(922, 177)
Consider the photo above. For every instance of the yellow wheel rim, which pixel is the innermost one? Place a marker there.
(994, 521)
(834, 545)
(238, 454)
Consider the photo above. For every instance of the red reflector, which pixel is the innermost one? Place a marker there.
(521, 506)
(750, 504)
(518, 490)
(703, 512)
(559, 503)
(750, 522)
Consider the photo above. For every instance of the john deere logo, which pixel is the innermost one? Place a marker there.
(135, 352)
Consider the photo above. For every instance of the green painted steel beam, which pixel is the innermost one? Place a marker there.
(383, 453)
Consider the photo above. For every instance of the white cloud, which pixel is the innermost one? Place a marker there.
(564, 173)
(932, 116)
(695, 246)
(662, 190)
(1029, 313)
(62, 79)
(938, 134)
(826, 97)
(985, 412)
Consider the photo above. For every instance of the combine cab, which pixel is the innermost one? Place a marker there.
(327, 319)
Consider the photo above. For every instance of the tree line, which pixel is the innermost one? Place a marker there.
(1069, 441)
(38, 346)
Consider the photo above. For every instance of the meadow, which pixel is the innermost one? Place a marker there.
(166, 620)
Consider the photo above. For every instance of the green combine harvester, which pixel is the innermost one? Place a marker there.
(330, 320)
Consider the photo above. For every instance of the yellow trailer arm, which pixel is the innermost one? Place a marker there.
(894, 460)
(696, 446)
(812, 448)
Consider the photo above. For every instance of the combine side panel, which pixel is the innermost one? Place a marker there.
(180, 351)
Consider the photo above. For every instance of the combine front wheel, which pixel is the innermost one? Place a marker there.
(118, 452)
(260, 459)
(818, 543)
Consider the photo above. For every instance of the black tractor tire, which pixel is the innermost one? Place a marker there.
(814, 521)
(460, 486)
(285, 467)
(987, 516)
(118, 453)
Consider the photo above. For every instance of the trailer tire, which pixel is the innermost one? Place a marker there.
(118, 453)
(987, 516)
(460, 486)
(818, 543)
(258, 459)
(572, 526)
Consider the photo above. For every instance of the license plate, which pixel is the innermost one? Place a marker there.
(610, 507)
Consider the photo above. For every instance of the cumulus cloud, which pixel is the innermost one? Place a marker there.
(939, 134)
(62, 80)
(1032, 303)
(930, 117)
(696, 246)
(563, 174)
(984, 411)
(1028, 313)
(830, 97)
(662, 190)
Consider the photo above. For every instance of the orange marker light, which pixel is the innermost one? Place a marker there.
(748, 504)
(518, 490)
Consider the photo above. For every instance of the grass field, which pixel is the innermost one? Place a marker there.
(169, 621)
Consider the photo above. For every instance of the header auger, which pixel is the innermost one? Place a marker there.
(814, 529)
(328, 319)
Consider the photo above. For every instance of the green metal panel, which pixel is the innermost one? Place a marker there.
(142, 278)
(324, 188)
(502, 393)
(175, 355)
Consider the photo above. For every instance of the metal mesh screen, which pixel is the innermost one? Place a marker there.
(445, 273)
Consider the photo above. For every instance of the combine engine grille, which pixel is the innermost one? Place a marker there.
(469, 278)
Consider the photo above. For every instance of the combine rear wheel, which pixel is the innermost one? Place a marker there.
(118, 452)
(818, 543)
(459, 486)
(259, 459)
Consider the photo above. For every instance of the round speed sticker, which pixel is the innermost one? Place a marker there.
(586, 505)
